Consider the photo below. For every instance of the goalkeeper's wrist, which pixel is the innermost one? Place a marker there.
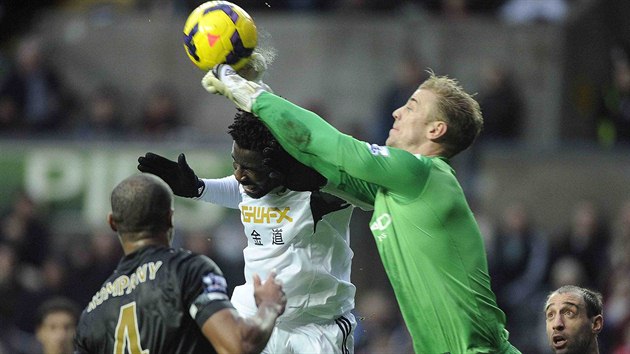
(260, 91)
(200, 188)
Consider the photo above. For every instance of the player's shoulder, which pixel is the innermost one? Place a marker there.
(441, 163)
(186, 256)
(179, 258)
(398, 156)
(425, 162)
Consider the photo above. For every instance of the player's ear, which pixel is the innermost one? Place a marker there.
(437, 129)
(111, 222)
(170, 218)
(598, 324)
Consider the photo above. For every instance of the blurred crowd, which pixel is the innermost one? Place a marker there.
(36, 102)
(526, 261)
(510, 10)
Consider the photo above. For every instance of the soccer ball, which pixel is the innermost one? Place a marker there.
(219, 32)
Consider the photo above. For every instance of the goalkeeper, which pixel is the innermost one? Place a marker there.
(302, 234)
(425, 232)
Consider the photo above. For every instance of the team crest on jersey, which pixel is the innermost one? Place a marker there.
(378, 150)
(214, 283)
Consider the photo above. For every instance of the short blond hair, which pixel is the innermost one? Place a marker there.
(458, 109)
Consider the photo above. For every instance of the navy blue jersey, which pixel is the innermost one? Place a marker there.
(156, 301)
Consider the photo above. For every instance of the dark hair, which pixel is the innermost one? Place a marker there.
(592, 299)
(54, 305)
(141, 203)
(250, 133)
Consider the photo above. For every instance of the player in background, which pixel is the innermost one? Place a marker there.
(574, 318)
(291, 227)
(162, 300)
(56, 325)
(426, 234)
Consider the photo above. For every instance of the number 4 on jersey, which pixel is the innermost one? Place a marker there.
(127, 332)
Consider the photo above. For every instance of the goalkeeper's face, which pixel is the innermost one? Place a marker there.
(251, 173)
(414, 123)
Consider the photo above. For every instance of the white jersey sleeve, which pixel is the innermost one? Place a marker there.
(221, 191)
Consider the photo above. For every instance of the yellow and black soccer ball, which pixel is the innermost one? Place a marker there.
(219, 32)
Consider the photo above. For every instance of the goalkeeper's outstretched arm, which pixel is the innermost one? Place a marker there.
(345, 161)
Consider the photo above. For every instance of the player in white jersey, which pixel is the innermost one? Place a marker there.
(291, 227)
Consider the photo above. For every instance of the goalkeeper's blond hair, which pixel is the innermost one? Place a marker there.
(458, 109)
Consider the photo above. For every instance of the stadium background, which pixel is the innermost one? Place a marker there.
(339, 59)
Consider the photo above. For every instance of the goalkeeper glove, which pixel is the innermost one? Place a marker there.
(223, 80)
(178, 175)
(255, 68)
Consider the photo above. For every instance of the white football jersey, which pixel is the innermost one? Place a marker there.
(304, 237)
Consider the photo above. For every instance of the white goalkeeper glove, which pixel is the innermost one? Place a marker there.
(223, 80)
(255, 68)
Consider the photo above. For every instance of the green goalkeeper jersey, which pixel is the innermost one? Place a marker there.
(426, 234)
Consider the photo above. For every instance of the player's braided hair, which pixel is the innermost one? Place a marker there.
(250, 133)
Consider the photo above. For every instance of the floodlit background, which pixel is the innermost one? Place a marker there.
(88, 86)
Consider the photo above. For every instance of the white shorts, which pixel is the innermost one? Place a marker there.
(336, 337)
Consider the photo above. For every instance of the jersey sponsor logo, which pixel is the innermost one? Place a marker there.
(380, 224)
(265, 215)
(125, 284)
(378, 150)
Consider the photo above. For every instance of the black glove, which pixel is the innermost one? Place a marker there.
(293, 174)
(178, 175)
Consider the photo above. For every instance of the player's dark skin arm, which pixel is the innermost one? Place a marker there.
(230, 333)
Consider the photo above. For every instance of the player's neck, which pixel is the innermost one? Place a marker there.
(132, 245)
(594, 347)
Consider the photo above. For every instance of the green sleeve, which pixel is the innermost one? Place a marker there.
(351, 165)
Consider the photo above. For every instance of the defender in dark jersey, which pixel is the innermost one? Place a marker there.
(162, 300)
